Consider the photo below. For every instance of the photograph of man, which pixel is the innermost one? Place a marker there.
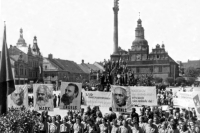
(17, 97)
(120, 96)
(42, 95)
(71, 93)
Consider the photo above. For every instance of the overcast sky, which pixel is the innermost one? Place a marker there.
(83, 29)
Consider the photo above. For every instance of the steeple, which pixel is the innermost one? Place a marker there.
(139, 31)
(139, 36)
(21, 41)
(35, 48)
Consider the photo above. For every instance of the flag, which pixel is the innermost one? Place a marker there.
(7, 85)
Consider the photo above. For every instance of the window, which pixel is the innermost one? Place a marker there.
(137, 70)
(160, 68)
(45, 67)
(25, 72)
(158, 56)
(21, 70)
(45, 75)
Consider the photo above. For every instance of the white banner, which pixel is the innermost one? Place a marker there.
(98, 98)
(70, 96)
(143, 96)
(43, 97)
(121, 98)
(184, 99)
(19, 97)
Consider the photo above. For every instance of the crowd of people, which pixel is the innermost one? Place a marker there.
(91, 120)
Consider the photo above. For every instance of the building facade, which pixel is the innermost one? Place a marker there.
(156, 63)
(58, 70)
(27, 61)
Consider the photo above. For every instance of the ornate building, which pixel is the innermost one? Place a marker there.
(27, 61)
(156, 63)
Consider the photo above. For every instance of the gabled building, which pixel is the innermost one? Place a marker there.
(93, 70)
(27, 61)
(58, 70)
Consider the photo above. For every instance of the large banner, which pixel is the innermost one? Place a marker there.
(184, 99)
(70, 96)
(121, 98)
(43, 97)
(97, 98)
(143, 96)
(19, 97)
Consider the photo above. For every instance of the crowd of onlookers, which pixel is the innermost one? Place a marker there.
(91, 120)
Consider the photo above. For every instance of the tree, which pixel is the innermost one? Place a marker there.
(158, 80)
(180, 80)
(190, 80)
(169, 80)
(192, 72)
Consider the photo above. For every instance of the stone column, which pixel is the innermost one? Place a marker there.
(115, 37)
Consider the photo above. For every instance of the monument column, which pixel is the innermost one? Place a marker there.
(115, 55)
(115, 37)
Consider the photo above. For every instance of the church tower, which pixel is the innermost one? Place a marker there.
(21, 42)
(140, 48)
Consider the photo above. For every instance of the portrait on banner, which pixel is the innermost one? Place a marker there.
(120, 98)
(70, 95)
(19, 97)
(43, 97)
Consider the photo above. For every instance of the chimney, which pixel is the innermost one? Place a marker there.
(82, 62)
(50, 56)
(10, 46)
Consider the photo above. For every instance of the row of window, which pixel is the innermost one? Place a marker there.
(33, 63)
(23, 72)
(157, 69)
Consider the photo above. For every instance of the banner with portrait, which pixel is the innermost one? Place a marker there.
(70, 95)
(121, 99)
(143, 95)
(19, 97)
(43, 97)
(98, 98)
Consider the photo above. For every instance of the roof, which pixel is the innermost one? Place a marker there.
(67, 65)
(191, 63)
(87, 67)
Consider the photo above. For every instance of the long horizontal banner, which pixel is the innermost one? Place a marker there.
(143, 96)
(96, 98)
(184, 99)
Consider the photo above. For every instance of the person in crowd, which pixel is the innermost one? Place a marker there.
(112, 115)
(114, 127)
(104, 128)
(125, 128)
(150, 127)
(53, 127)
(54, 100)
(134, 114)
(65, 127)
(136, 128)
(58, 100)
(78, 127)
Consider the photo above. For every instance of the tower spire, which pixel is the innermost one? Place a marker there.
(139, 15)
